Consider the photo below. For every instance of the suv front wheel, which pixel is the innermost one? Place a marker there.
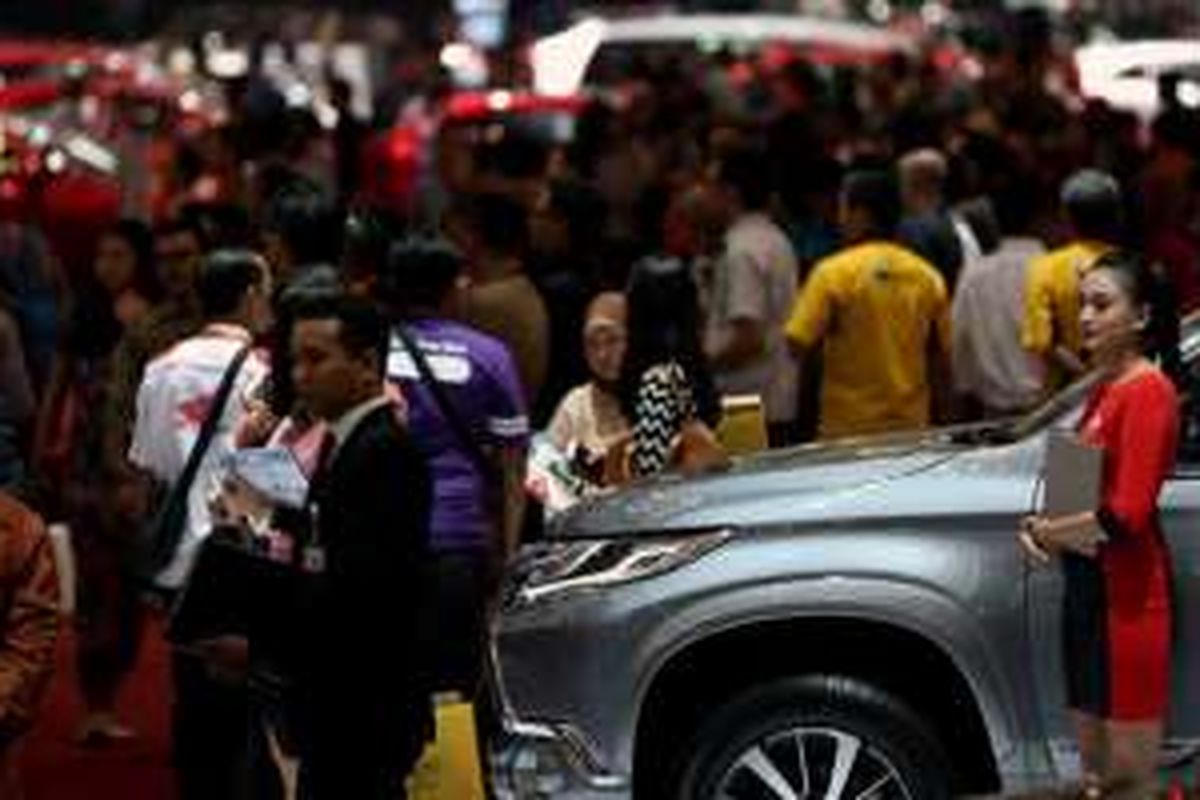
(814, 737)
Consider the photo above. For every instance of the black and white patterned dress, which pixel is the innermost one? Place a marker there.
(665, 403)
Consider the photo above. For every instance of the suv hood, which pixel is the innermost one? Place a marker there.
(778, 487)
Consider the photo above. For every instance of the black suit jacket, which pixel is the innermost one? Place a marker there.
(362, 693)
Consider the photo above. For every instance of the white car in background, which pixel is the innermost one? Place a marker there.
(562, 60)
(1126, 74)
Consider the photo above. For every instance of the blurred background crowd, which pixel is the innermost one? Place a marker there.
(565, 161)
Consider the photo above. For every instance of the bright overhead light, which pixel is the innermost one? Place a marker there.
(1189, 94)
(39, 136)
(228, 63)
(298, 95)
(500, 100)
(935, 13)
(327, 116)
(56, 161)
(190, 101)
(456, 55)
(91, 153)
(181, 61)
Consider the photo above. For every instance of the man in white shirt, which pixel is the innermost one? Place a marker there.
(993, 374)
(175, 397)
(752, 288)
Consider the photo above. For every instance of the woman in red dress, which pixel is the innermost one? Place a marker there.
(1117, 603)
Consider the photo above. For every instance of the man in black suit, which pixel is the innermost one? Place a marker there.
(361, 705)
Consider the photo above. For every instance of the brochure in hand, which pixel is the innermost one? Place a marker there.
(272, 472)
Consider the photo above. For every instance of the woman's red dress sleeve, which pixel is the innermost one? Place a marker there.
(1145, 451)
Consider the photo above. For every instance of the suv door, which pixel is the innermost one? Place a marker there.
(1180, 503)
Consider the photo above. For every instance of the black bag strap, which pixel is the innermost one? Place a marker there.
(457, 424)
(208, 430)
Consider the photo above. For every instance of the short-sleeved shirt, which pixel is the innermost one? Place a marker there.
(755, 279)
(478, 376)
(989, 362)
(1052, 299)
(875, 308)
(172, 403)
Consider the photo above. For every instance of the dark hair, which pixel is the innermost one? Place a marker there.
(876, 192)
(664, 326)
(308, 286)
(420, 272)
(137, 235)
(746, 171)
(1146, 286)
(363, 330)
(369, 233)
(497, 220)
(181, 225)
(1016, 210)
(309, 226)
(585, 212)
(225, 277)
(1092, 201)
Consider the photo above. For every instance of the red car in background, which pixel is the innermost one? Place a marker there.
(64, 109)
(397, 161)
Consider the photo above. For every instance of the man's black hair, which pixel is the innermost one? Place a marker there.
(363, 330)
(876, 192)
(497, 220)
(419, 274)
(181, 225)
(308, 224)
(224, 278)
(746, 171)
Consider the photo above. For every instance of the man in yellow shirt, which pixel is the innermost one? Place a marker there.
(1091, 201)
(881, 315)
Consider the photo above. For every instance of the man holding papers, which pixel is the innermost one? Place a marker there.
(360, 703)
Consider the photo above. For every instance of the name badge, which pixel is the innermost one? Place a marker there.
(313, 560)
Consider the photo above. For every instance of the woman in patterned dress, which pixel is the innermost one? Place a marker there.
(665, 382)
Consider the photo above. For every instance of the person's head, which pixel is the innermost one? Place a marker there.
(869, 205)
(745, 179)
(489, 225)
(923, 175)
(664, 325)
(125, 260)
(339, 352)
(369, 235)
(1016, 211)
(1128, 309)
(178, 248)
(605, 337)
(567, 219)
(1091, 200)
(235, 286)
(420, 277)
(300, 227)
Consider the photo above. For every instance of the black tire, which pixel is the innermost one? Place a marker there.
(891, 735)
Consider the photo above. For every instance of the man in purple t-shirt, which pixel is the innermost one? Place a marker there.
(474, 430)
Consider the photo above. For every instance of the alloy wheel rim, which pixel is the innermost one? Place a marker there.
(812, 763)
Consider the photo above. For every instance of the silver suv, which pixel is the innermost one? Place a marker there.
(842, 621)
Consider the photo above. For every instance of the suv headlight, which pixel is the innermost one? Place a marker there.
(550, 568)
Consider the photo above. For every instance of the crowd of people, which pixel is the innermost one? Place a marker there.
(865, 251)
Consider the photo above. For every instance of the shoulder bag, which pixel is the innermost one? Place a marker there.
(168, 509)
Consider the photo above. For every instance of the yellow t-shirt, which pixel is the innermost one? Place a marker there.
(875, 307)
(1052, 300)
